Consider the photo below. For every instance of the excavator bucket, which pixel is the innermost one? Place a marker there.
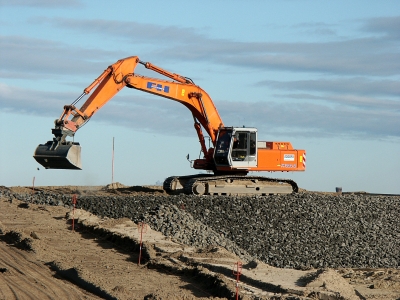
(65, 156)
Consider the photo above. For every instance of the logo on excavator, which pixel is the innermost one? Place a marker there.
(158, 87)
(288, 157)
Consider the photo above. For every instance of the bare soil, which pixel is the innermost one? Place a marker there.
(43, 258)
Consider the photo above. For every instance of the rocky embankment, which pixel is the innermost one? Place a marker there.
(301, 231)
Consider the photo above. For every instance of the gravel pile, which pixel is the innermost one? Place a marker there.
(304, 230)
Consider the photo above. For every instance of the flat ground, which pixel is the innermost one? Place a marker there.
(43, 258)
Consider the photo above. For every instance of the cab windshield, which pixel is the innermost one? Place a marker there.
(222, 147)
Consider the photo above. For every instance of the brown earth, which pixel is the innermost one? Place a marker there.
(42, 258)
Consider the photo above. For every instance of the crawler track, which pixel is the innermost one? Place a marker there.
(205, 184)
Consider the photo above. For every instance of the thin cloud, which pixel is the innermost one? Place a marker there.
(316, 28)
(369, 56)
(32, 102)
(313, 119)
(132, 31)
(42, 3)
(354, 85)
(356, 101)
(152, 114)
(387, 26)
(22, 55)
(373, 55)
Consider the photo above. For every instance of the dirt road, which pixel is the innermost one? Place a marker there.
(42, 258)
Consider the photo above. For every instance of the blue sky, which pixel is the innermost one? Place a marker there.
(323, 75)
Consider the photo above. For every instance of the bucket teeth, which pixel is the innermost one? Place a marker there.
(65, 156)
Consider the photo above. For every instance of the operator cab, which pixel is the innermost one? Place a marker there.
(236, 147)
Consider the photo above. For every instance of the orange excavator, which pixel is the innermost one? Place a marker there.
(235, 151)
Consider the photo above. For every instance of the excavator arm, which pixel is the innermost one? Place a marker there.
(58, 153)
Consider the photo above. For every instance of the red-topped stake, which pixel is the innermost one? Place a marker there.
(74, 200)
(142, 228)
(237, 271)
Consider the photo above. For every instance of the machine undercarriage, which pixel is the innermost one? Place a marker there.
(206, 184)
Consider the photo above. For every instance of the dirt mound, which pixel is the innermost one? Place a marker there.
(18, 239)
(114, 186)
(334, 286)
(120, 189)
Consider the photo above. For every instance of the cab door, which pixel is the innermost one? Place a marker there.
(244, 149)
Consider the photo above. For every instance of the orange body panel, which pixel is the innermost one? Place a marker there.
(280, 160)
(279, 156)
